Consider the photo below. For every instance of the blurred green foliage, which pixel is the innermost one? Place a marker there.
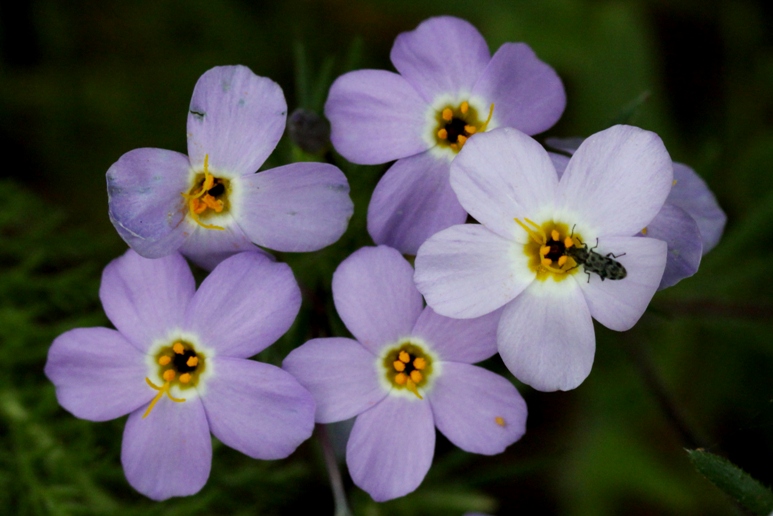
(83, 82)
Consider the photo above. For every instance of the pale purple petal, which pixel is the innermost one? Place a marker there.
(375, 296)
(503, 175)
(568, 145)
(168, 453)
(619, 304)
(412, 202)
(693, 195)
(617, 180)
(391, 446)
(560, 162)
(546, 336)
(244, 305)
(459, 340)
(98, 374)
(257, 408)
(145, 298)
(208, 247)
(144, 200)
(678, 229)
(300, 207)
(443, 55)
(467, 271)
(340, 374)
(477, 410)
(527, 93)
(236, 118)
(376, 116)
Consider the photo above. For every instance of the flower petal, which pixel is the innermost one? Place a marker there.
(340, 374)
(618, 180)
(503, 175)
(412, 202)
(546, 336)
(244, 305)
(208, 247)
(479, 411)
(300, 207)
(391, 446)
(257, 408)
(168, 453)
(560, 162)
(443, 55)
(527, 93)
(236, 118)
(375, 296)
(144, 201)
(98, 374)
(675, 227)
(145, 298)
(619, 304)
(693, 195)
(467, 271)
(376, 116)
(459, 340)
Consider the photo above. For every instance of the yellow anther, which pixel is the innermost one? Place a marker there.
(673, 183)
(442, 134)
(404, 356)
(464, 108)
(412, 387)
(185, 378)
(454, 146)
(400, 378)
(461, 139)
(544, 250)
(470, 129)
(198, 202)
(500, 421)
(399, 366)
(168, 375)
(644, 231)
(555, 235)
(192, 362)
(178, 348)
(164, 360)
(419, 363)
(448, 115)
(212, 203)
(568, 242)
(562, 260)
(546, 261)
(416, 376)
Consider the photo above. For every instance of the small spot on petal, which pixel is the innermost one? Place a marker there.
(500, 421)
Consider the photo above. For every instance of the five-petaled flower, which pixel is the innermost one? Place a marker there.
(553, 252)
(449, 87)
(408, 371)
(177, 365)
(210, 204)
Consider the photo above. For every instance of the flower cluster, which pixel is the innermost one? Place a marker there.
(558, 241)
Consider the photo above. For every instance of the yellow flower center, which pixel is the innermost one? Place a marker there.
(456, 124)
(408, 366)
(208, 195)
(180, 365)
(550, 249)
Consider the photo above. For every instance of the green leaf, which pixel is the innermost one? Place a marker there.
(734, 481)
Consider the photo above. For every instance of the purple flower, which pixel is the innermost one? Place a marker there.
(448, 88)
(408, 371)
(690, 222)
(553, 252)
(210, 204)
(177, 365)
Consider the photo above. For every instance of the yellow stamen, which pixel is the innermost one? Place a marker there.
(164, 360)
(540, 237)
(568, 242)
(499, 420)
(192, 362)
(464, 107)
(562, 260)
(178, 348)
(399, 366)
(454, 146)
(412, 387)
(555, 235)
(400, 378)
(544, 250)
(546, 261)
(644, 231)
(168, 375)
(461, 139)
(416, 376)
(448, 115)
(404, 357)
(442, 134)
(161, 390)
(420, 363)
(673, 183)
(470, 129)
(197, 206)
(185, 378)
(490, 114)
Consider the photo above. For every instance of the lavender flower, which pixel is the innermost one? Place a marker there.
(553, 252)
(690, 222)
(448, 88)
(209, 204)
(408, 371)
(176, 364)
